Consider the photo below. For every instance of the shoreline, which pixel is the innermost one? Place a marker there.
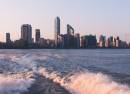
(60, 48)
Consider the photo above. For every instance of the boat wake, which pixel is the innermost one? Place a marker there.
(22, 73)
(88, 83)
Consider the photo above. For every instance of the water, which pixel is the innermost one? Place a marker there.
(77, 71)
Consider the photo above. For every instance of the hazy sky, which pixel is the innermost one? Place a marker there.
(108, 17)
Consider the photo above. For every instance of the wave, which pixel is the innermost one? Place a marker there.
(77, 83)
(14, 85)
(88, 83)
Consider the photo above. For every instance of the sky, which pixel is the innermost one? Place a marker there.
(107, 17)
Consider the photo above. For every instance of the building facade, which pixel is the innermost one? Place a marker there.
(37, 35)
(118, 42)
(102, 41)
(70, 30)
(8, 40)
(77, 41)
(88, 41)
(57, 31)
(26, 33)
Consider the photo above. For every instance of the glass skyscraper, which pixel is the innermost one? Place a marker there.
(26, 33)
(57, 30)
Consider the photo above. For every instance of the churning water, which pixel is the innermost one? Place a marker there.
(78, 71)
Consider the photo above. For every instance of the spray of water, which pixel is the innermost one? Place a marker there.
(9, 85)
(88, 83)
(78, 83)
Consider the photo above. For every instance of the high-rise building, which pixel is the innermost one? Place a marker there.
(102, 41)
(69, 38)
(42, 42)
(118, 42)
(77, 40)
(70, 30)
(26, 33)
(8, 40)
(111, 40)
(60, 41)
(57, 30)
(88, 41)
(107, 44)
(37, 35)
(83, 42)
(123, 44)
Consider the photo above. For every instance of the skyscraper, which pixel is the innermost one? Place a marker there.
(26, 33)
(77, 40)
(70, 30)
(57, 30)
(8, 40)
(37, 35)
(118, 42)
(102, 41)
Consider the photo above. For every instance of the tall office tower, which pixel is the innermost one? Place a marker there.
(111, 38)
(26, 33)
(114, 42)
(70, 36)
(108, 43)
(102, 41)
(8, 40)
(57, 30)
(118, 42)
(83, 42)
(70, 30)
(37, 35)
(77, 40)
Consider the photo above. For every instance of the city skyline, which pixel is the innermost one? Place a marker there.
(69, 40)
(35, 33)
(97, 17)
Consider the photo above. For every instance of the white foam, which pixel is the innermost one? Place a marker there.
(78, 83)
(9, 85)
(88, 83)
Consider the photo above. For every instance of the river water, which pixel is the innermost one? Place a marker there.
(97, 71)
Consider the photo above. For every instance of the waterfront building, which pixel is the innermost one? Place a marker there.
(77, 40)
(70, 37)
(26, 33)
(110, 42)
(89, 41)
(114, 42)
(41, 42)
(83, 42)
(49, 43)
(69, 40)
(70, 30)
(123, 44)
(102, 41)
(118, 42)
(37, 35)
(57, 31)
(8, 40)
(61, 41)
(107, 44)
(65, 41)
